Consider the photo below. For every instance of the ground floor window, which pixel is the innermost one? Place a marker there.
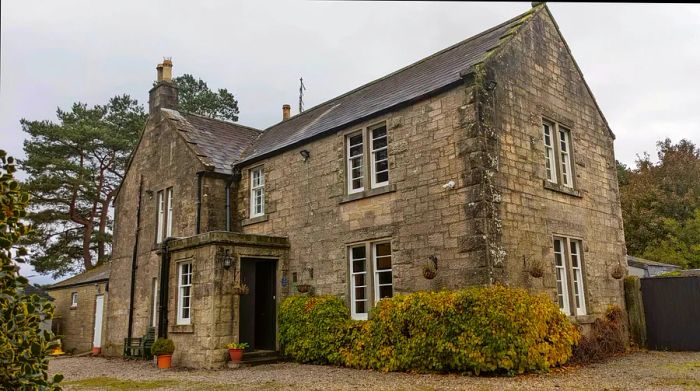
(184, 300)
(568, 265)
(371, 277)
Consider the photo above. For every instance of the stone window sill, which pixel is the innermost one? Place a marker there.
(74, 307)
(368, 193)
(582, 319)
(254, 220)
(182, 328)
(561, 189)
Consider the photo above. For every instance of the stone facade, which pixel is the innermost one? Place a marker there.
(75, 324)
(467, 188)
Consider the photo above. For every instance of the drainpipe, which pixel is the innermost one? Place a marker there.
(235, 177)
(198, 203)
(164, 288)
(134, 265)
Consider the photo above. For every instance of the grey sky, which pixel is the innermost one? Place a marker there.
(641, 61)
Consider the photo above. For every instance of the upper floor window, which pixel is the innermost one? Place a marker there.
(376, 148)
(257, 192)
(74, 299)
(184, 300)
(164, 214)
(371, 276)
(557, 154)
(568, 264)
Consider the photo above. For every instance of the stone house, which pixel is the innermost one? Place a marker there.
(487, 162)
(80, 310)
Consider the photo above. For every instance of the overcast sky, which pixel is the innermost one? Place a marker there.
(641, 61)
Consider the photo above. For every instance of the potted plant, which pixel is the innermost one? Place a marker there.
(235, 351)
(163, 348)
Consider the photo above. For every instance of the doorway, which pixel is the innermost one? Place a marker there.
(97, 333)
(258, 308)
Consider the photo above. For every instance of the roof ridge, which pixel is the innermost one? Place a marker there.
(447, 49)
(218, 120)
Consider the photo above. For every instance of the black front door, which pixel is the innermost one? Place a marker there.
(258, 308)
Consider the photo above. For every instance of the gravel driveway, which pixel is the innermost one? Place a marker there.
(635, 371)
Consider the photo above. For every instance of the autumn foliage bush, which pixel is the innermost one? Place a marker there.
(606, 338)
(486, 329)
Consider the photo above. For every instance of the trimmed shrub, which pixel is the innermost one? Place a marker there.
(313, 328)
(162, 346)
(483, 329)
(606, 338)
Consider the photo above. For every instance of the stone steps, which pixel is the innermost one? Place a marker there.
(258, 357)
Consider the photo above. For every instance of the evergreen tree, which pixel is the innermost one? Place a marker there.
(196, 97)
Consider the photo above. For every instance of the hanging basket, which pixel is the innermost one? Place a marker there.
(536, 269)
(241, 290)
(429, 273)
(303, 288)
(617, 272)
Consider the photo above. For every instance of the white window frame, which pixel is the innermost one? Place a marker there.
(74, 299)
(154, 315)
(169, 215)
(160, 215)
(558, 153)
(565, 156)
(376, 270)
(349, 162)
(371, 274)
(561, 276)
(353, 299)
(550, 163)
(184, 290)
(373, 156)
(571, 272)
(257, 192)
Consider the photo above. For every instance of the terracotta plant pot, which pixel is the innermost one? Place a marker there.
(164, 361)
(236, 355)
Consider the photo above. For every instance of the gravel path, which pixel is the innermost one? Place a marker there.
(635, 371)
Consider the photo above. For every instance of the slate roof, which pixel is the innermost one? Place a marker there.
(417, 80)
(96, 274)
(642, 263)
(218, 144)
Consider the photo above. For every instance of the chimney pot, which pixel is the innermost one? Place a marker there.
(159, 69)
(167, 69)
(286, 111)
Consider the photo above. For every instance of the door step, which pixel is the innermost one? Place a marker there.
(258, 357)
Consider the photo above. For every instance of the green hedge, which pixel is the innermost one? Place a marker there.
(485, 329)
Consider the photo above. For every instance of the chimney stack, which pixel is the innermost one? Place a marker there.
(286, 110)
(164, 92)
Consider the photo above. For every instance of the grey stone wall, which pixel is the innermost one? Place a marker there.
(537, 78)
(163, 160)
(76, 325)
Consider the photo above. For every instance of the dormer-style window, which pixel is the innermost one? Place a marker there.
(557, 154)
(371, 142)
(257, 192)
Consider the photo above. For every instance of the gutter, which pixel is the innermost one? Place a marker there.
(134, 265)
(198, 204)
(164, 288)
(234, 178)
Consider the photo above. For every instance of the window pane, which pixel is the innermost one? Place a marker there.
(356, 150)
(383, 249)
(385, 291)
(356, 140)
(358, 266)
(379, 143)
(382, 154)
(360, 293)
(379, 133)
(382, 166)
(383, 263)
(360, 307)
(360, 279)
(384, 278)
(383, 177)
(358, 252)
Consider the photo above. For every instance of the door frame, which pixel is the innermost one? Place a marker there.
(277, 285)
(100, 319)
